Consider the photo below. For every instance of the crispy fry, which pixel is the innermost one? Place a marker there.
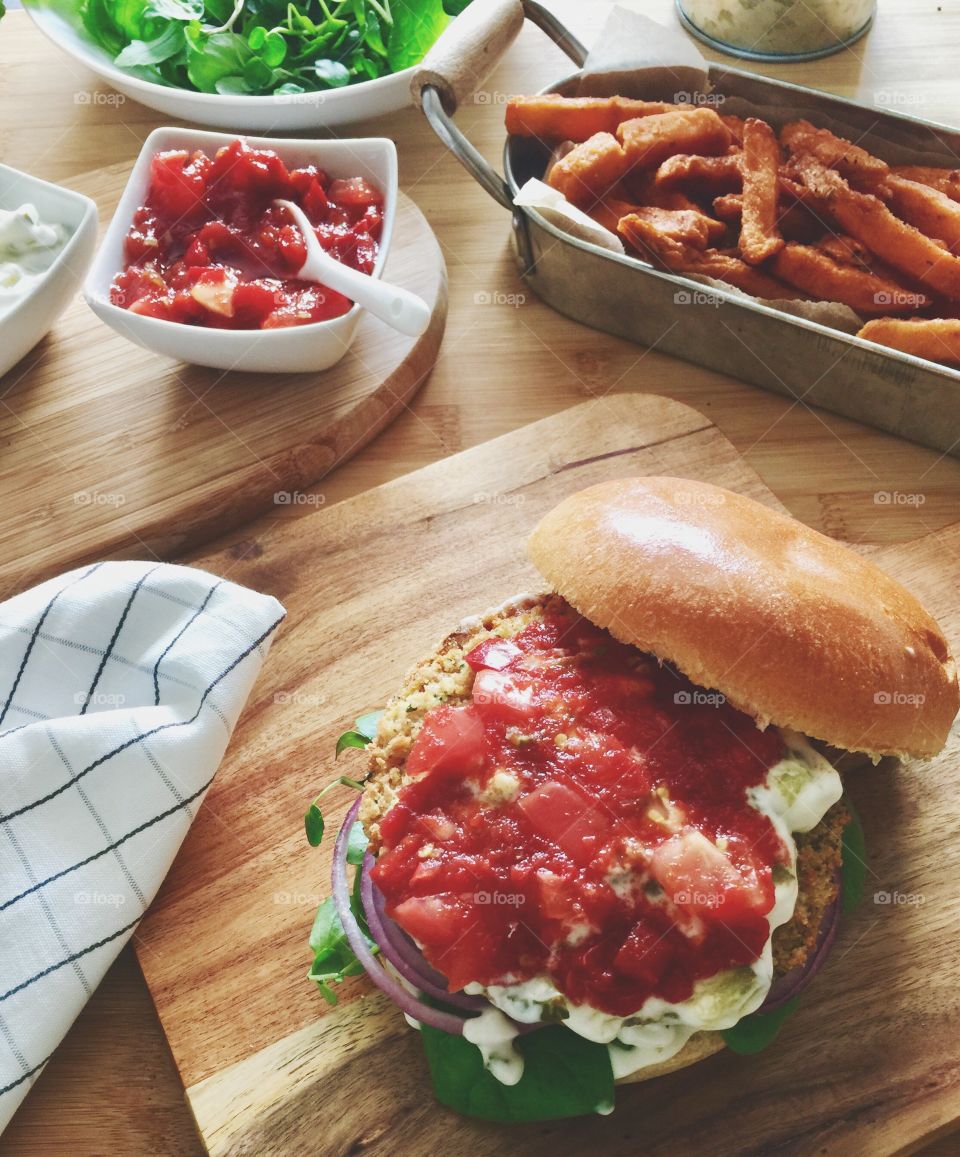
(649, 140)
(936, 339)
(610, 209)
(945, 180)
(865, 217)
(793, 220)
(710, 176)
(931, 211)
(655, 246)
(845, 250)
(816, 273)
(559, 118)
(760, 238)
(589, 171)
(728, 207)
(735, 128)
(682, 225)
(800, 137)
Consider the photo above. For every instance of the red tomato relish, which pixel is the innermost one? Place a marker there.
(209, 248)
(623, 863)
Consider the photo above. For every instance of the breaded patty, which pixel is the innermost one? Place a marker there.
(445, 677)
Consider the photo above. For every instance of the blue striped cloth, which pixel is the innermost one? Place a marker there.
(120, 685)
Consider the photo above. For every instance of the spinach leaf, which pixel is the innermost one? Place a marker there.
(416, 25)
(333, 958)
(363, 732)
(854, 862)
(162, 47)
(313, 825)
(183, 10)
(213, 56)
(564, 1075)
(756, 1031)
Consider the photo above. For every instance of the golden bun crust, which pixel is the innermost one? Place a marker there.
(700, 1046)
(791, 626)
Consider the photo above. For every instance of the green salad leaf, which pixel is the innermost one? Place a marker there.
(416, 25)
(333, 958)
(564, 1075)
(756, 1031)
(162, 47)
(265, 46)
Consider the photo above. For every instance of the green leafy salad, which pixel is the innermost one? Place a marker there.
(262, 47)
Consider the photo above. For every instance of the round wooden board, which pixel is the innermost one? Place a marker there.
(109, 450)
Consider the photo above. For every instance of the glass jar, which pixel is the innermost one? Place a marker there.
(777, 30)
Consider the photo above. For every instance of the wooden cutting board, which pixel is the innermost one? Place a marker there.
(110, 450)
(870, 1062)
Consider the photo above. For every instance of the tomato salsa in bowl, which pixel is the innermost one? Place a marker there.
(198, 264)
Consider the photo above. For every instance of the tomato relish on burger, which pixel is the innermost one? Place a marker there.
(600, 807)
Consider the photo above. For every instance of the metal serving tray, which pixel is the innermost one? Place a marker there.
(799, 358)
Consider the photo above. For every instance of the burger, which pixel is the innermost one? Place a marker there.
(604, 827)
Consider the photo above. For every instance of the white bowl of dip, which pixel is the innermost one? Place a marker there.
(38, 279)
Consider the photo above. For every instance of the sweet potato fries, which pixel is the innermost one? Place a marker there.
(799, 214)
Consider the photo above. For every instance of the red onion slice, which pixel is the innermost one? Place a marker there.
(445, 1021)
(400, 950)
(796, 980)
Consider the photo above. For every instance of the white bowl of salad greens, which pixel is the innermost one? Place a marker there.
(259, 65)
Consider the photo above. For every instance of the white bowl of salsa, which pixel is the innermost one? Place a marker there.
(183, 218)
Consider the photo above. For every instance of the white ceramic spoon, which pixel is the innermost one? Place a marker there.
(397, 307)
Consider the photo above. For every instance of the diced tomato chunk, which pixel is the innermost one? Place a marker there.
(493, 654)
(449, 742)
(698, 877)
(566, 818)
(505, 695)
(354, 191)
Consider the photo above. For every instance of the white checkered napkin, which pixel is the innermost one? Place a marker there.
(120, 685)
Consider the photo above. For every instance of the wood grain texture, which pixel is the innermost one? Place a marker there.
(112, 450)
(268, 1066)
(499, 368)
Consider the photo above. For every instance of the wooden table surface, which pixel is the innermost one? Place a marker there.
(506, 360)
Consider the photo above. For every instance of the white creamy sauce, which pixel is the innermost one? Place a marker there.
(797, 794)
(28, 247)
(494, 1035)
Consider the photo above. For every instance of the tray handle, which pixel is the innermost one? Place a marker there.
(462, 59)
